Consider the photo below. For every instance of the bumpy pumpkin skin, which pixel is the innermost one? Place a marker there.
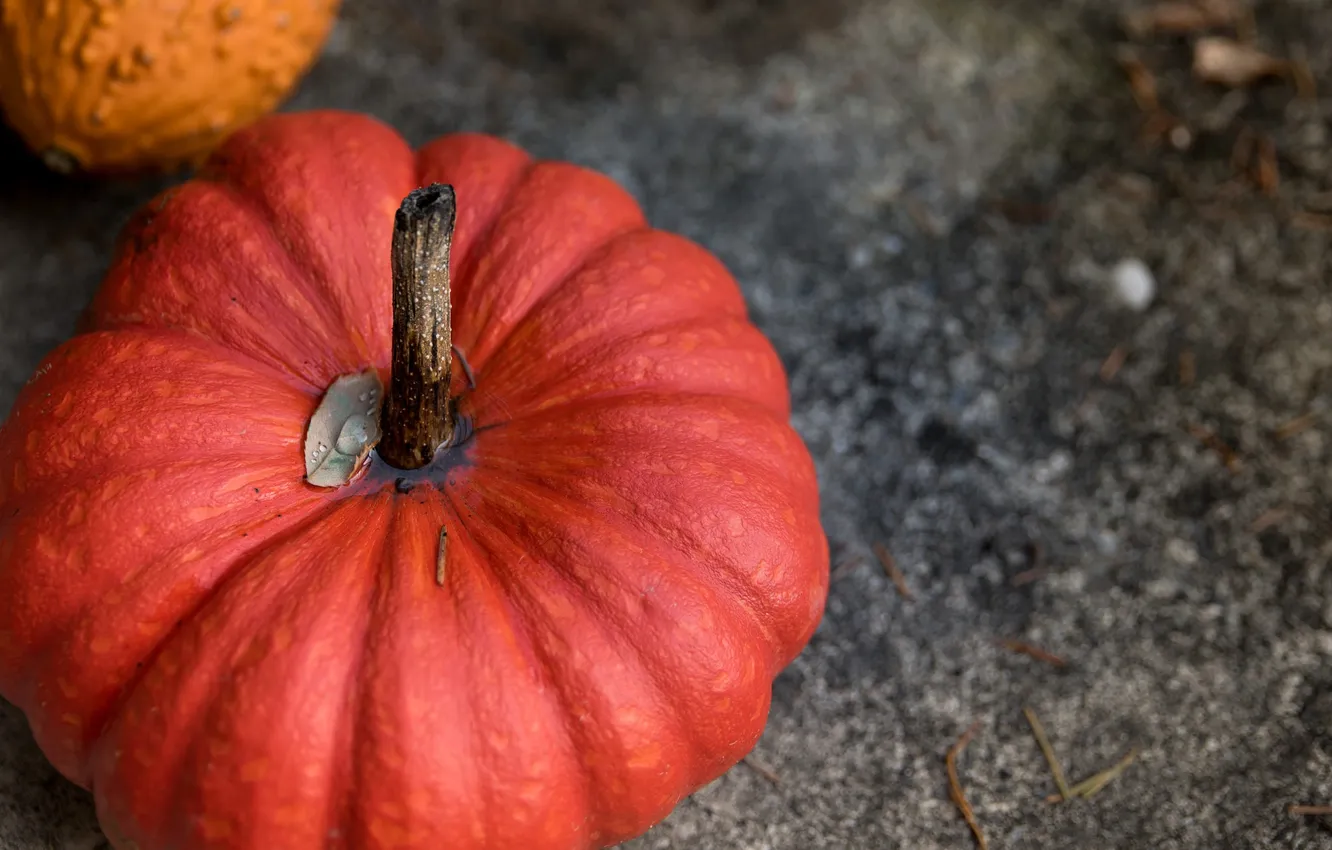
(119, 87)
(231, 658)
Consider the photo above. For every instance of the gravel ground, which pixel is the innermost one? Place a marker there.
(924, 200)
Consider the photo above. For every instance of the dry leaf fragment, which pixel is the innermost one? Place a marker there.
(1228, 62)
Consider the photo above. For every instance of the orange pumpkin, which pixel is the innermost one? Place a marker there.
(107, 86)
(528, 605)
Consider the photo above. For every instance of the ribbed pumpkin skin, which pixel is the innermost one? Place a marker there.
(149, 84)
(231, 658)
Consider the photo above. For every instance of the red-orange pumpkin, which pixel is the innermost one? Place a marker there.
(230, 657)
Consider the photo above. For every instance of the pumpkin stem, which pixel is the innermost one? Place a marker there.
(419, 413)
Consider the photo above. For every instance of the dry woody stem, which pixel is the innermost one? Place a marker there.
(419, 415)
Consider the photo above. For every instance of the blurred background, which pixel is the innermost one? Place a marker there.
(1050, 280)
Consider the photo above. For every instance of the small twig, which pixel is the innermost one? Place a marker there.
(1036, 652)
(1310, 810)
(753, 763)
(955, 785)
(1113, 362)
(1097, 781)
(1048, 751)
(894, 572)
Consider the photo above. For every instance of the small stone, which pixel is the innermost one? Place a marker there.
(1134, 284)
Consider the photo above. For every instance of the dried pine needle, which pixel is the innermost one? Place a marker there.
(1097, 781)
(1023, 648)
(894, 572)
(1048, 751)
(1295, 426)
(758, 766)
(955, 786)
(845, 568)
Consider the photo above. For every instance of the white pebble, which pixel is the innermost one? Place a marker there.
(1134, 284)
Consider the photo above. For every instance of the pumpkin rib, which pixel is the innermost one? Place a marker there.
(587, 209)
(46, 654)
(752, 608)
(590, 257)
(607, 251)
(195, 697)
(743, 598)
(566, 576)
(595, 370)
(401, 610)
(541, 668)
(107, 367)
(505, 454)
(354, 698)
(343, 246)
(664, 678)
(499, 819)
(128, 286)
(225, 519)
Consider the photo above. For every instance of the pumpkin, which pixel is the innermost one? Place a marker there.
(399, 499)
(108, 87)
